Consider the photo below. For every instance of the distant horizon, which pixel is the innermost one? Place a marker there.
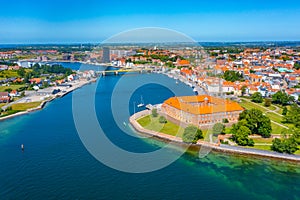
(93, 43)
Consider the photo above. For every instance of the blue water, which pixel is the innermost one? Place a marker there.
(56, 165)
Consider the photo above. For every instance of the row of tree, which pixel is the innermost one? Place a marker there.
(38, 70)
(289, 143)
(282, 98)
(279, 97)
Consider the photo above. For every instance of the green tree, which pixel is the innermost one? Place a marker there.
(257, 122)
(154, 112)
(21, 72)
(243, 89)
(8, 90)
(218, 128)
(192, 134)
(297, 65)
(27, 77)
(233, 76)
(286, 145)
(295, 134)
(281, 98)
(268, 102)
(241, 136)
(257, 97)
(284, 110)
(162, 120)
(225, 121)
(293, 115)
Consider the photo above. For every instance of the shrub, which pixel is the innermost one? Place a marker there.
(257, 97)
(192, 134)
(284, 110)
(268, 102)
(162, 120)
(225, 121)
(154, 113)
(218, 129)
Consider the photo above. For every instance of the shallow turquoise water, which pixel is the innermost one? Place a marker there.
(55, 164)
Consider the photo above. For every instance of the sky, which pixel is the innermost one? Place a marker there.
(81, 21)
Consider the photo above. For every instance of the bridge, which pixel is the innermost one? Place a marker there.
(124, 70)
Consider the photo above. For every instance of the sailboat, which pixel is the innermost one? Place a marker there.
(141, 104)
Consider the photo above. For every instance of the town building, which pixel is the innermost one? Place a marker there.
(4, 97)
(106, 55)
(201, 110)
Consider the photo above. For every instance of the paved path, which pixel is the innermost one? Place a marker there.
(269, 111)
(283, 126)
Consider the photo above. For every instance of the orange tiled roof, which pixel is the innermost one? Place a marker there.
(35, 80)
(183, 62)
(198, 106)
(186, 71)
(228, 83)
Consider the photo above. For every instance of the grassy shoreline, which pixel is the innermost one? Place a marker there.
(152, 123)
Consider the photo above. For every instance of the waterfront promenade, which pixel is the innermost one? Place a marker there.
(215, 147)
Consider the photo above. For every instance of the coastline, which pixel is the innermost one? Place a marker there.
(44, 102)
(214, 147)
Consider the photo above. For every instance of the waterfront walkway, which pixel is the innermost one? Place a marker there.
(217, 147)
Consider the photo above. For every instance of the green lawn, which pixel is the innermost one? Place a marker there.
(263, 140)
(19, 107)
(272, 107)
(276, 129)
(249, 105)
(274, 117)
(152, 123)
(13, 87)
(8, 74)
(280, 109)
(261, 147)
(25, 106)
(7, 113)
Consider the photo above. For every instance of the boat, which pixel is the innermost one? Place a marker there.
(142, 103)
(124, 123)
(177, 82)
